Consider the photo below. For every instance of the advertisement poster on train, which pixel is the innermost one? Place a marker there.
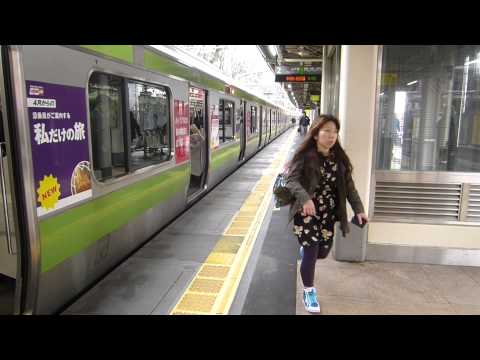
(182, 129)
(215, 135)
(59, 138)
(238, 123)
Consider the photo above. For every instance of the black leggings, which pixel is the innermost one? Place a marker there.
(310, 256)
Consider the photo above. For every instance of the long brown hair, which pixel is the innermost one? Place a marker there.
(310, 144)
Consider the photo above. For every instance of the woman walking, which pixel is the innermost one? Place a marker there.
(320, 178)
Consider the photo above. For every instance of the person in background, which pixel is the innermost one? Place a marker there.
(304, 123)
(320, 178)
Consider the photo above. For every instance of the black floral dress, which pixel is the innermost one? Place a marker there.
(318, 229)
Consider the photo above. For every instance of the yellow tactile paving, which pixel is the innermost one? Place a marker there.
(247, 213)
(241, 223)
(217, 272)
(206, 285)
(220, 258)
(236, 231)
(243, 218)
(188, 313)
(196, 302)
(214, 286)
(227, 246)
(253, 202)
(241, 230)
(250, 208)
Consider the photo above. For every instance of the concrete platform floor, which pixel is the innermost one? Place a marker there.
(153, 279)
(378, 288)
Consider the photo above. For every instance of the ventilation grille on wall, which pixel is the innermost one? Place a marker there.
(474, 204)
(418, 201)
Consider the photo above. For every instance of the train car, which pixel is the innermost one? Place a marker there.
(101, 147)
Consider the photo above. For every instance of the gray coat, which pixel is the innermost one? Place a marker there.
(304, 176)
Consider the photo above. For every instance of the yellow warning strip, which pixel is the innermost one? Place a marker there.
(213, 288)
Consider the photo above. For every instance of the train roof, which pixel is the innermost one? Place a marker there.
(205, 67)
(178, 63)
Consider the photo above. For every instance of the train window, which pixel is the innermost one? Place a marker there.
(149, 116)
(107, 125)
(254, 122)
(226, 121)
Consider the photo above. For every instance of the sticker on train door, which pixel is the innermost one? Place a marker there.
(60, 152)
(182, 131)
(215, 121)
(248, 120)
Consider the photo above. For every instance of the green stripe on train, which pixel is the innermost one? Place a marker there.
(156, 62)
(252, 139)
(71, 232)
(122, 52)
(244, 95)
(225, 154)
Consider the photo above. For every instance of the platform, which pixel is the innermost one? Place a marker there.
(382, 288)
(196, 264)
(195, 267)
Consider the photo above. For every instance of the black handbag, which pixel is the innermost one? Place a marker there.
(282, 194)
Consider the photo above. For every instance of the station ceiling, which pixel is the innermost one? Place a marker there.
(293, 57)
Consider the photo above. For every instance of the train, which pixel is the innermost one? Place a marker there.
(102, 146)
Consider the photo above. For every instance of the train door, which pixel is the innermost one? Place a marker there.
(198, 140)
(243, 129)
(9, 258)
(276, 123)
(270, 126)
(265, 127)
(260, 124)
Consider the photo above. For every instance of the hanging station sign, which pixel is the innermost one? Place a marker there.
(301, 70)
(297, 78)
(298, 74)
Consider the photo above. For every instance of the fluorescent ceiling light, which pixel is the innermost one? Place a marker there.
(412, 82)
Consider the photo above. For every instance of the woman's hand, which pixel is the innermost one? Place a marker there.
(308, 208)
(362, 217)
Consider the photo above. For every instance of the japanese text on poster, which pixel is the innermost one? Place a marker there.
(182, 136)
(215, 136)
(61, 166)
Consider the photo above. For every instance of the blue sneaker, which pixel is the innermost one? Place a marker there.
(310, 301)
(301, 252)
